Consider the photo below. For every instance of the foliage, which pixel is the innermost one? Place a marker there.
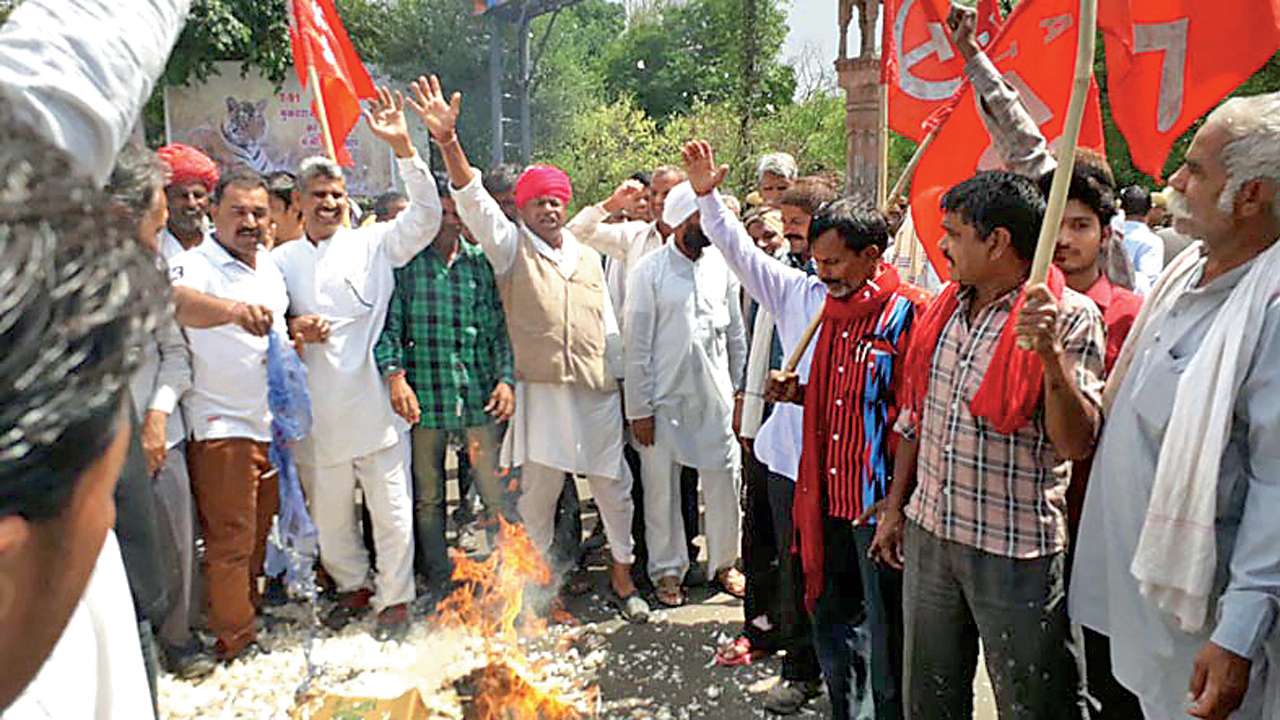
(602, 147)
(675, 58)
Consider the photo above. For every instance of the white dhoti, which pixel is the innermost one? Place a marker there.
(560, 429)
(664, 529)
(383, 478)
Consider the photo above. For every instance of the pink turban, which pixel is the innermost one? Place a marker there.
(188, 165)
(543, 181)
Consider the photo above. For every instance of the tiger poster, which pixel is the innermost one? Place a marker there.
(246, 122)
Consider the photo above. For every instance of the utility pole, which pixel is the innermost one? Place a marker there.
(520, 15)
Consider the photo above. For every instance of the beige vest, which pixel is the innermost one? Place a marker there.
(556, 324)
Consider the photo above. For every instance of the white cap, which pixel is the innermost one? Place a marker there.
(681, 204)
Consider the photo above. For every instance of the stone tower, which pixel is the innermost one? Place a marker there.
(860, 78)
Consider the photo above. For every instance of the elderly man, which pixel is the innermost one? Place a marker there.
(1179, 542)
(340, 284)
(192, 178)
(685, 354)
(775, 174)
(984, 559)
(286, 208)
(229, 296)
(563, 331)
(447, 360)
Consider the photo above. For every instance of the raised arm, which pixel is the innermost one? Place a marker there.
(1015, 135)
(612, 239)
(496, 234)
(413, 229)
(765, 279)
(79, 72)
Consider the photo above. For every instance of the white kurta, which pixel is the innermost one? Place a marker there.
(566, 427)
(624, 244)
(95, 671)
(348, 280)
(685, 352)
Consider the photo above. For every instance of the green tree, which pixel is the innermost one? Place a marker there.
(685, 54)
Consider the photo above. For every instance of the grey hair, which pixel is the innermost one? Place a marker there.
(780, 163)
(135, 179)
(1252, 151)
(319, 166)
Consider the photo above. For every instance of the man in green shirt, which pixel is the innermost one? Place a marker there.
(447, 361)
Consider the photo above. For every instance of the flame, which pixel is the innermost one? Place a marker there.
(487, 603)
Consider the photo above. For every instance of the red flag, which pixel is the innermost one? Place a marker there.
(1035, 51)
(989, 21)
(1171, 61)
(918, 62)
(318, 38)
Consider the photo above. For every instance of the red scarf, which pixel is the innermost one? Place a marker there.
(1011, 389)
(807, 512)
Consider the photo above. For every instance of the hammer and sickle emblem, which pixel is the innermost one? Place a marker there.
(937, 44)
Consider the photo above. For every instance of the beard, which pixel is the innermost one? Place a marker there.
(695, 239)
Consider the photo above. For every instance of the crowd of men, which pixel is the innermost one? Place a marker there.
(1079, 477)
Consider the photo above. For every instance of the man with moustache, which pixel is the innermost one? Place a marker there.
(447, 361)
(685, 355)
(564, 334)
(798, 204)
(192, 178)
(1178, 557)
(340, 283)
(229, 295)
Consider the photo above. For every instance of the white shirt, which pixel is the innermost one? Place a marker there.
(348, 280)
(1146, 251)
(228, 396)
(624, 244)
(95, 670)
(685, 348)
(793, 297)
(564, 427)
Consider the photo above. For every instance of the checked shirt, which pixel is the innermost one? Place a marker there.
(1002, 494)
(446, 329)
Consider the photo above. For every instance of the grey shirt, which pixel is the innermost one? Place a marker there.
(1150, 655)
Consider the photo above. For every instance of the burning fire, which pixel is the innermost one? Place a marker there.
(487, 603)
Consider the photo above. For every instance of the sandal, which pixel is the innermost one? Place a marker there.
(633, 608)
(738, 652)
(732, 582)
(669, 592)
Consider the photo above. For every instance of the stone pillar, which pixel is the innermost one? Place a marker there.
(860, 79)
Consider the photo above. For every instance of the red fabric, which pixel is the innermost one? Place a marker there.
(1119, 309)
(918, 63)
(543, 181)
(1036, 52)
(317, 37)
(1210, 48)
(988, 21)
(808, 511)
(187, 165)
(1011, 389)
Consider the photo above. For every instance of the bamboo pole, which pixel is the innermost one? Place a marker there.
(1067, 144)
(901, 185)
(882, 141)
(794, 360)
(313, 79)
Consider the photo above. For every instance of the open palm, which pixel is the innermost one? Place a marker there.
(439, 115)
(700, 167)
(385, 116)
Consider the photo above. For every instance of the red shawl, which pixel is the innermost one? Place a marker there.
(1011, 389)
(807, 512)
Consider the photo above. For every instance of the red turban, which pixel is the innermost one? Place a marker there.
(188, 165)
(543, 181)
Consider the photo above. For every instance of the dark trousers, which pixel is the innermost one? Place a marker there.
(794, 634)
(839, 612)
(882, 597)
(954, 596)
(1112, 700)
(759, 557)
(566, 542)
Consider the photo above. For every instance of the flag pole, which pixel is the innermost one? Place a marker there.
(882, 136)
(313, 79)
(1057, 200)
(901, 185)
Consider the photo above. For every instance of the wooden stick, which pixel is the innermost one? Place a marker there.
(1067, 144)
(909, 170)
(882, 139)
(313, 79)
(794, 360)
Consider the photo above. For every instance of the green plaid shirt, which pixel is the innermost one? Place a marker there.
(445, 328)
